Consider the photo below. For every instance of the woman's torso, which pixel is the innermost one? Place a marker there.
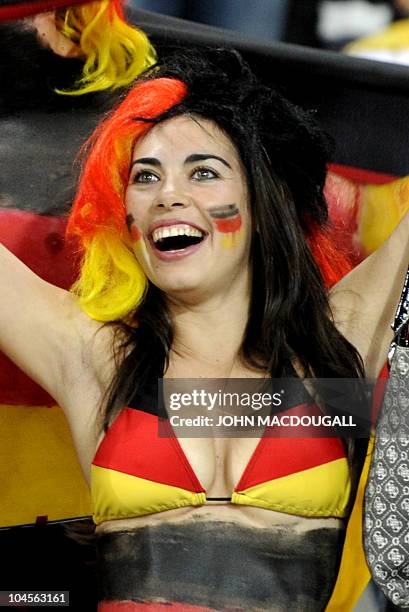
(219, 555)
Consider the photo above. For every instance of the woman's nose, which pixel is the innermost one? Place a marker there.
(172, 203)
(171, 196)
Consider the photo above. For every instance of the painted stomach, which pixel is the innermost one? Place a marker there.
(213, 565)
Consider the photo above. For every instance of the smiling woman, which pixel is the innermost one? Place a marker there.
(206, 226)
(184, 173)
(206, 247)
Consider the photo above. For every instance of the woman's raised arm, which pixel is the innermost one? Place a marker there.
(42, 327)
(365, 301)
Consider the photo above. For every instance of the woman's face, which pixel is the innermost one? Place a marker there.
(187, 208)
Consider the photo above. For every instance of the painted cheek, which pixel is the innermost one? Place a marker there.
(227, 226)
(133, 230)
(136, 235)
(138, 245)
(232, 239)
(231, 228)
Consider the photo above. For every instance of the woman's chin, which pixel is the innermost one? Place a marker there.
(181, 286)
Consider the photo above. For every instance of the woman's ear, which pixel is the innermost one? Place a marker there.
(50, 37)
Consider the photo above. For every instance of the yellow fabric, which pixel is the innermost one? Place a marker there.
(39, 471)
(319, 491)
(394, 37)
(118, 495)
(353, 575)
(382, 207)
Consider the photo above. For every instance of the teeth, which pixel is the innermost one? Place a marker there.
(175, 230)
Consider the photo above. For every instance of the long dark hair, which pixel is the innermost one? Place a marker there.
(284, 154)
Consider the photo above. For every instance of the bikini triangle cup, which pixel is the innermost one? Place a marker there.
(136, 472)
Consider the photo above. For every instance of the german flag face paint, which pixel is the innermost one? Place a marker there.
(227, 219)
(136, 237)
(133, 230)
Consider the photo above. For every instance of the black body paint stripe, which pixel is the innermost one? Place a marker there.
(221, 565)
(129, 221)
(224, 212)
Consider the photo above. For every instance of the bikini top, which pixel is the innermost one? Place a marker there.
(137, 472)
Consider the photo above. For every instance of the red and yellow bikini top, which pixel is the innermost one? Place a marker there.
(136, 472)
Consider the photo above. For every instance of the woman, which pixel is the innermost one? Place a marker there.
(201, 217)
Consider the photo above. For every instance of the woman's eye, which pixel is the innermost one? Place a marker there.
(144, 176)
(204, 174)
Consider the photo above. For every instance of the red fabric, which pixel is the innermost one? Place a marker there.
(359, 175)
(19, 10)
(344, 203)
(278, 457)
(39, 242)
(17, 389)
(133, 446)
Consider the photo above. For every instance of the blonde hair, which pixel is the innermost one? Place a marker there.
(115, 52)
(111, 283)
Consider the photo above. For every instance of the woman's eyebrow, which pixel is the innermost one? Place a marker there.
(195, 157)
(190, 159)
(151, 161)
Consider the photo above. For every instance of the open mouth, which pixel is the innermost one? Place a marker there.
(176, 238)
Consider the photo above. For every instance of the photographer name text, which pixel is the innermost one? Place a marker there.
(256, 420)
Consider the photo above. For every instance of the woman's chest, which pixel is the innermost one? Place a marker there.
(219, 463)
(218, 435)
(141, 467)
